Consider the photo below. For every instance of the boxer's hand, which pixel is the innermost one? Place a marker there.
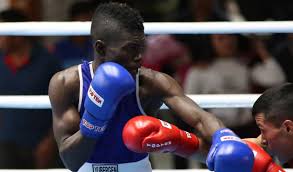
(262, 160)
(110, 84)
(229, 153)
(147, 134)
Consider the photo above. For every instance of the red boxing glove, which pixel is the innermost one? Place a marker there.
(147, 134)
(263, 162)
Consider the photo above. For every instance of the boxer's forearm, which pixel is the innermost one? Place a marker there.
(208, 125)
(204, 123)
(75, 150)
(184, 107)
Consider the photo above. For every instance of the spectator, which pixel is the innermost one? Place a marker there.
(200, 79)
(74, 48)
(266, 72)
(26, 139)
(236, 77)
(225, 75)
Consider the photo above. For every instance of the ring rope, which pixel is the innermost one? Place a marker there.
(83, 28)
(203, 100)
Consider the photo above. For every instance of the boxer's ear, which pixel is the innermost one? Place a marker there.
(100, 48)
(288, 124)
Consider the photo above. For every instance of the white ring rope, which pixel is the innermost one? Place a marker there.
(204, 101)
(83, 28)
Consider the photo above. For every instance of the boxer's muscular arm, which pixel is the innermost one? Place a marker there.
(74, 148)
(173, 96)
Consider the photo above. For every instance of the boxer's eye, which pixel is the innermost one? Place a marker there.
(133, 49)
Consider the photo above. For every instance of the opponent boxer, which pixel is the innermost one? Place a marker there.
(273, 113)
(92, 102)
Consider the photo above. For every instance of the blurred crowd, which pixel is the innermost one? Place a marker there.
(202, 64)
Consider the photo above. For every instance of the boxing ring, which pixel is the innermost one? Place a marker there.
(83, 28)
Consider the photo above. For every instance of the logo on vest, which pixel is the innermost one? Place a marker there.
(90, 126)
(105, 168)
(95, 97)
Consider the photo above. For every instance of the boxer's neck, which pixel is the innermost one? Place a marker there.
(96, 63)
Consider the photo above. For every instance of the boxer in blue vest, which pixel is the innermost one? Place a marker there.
(93, 101)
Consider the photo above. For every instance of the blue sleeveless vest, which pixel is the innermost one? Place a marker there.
(110, 147)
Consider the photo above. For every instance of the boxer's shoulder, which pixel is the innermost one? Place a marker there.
(146, 74)
(158, 82)
(153, 79)
(149, 74)
(67, 79)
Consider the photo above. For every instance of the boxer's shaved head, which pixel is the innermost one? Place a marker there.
(276, 104)
(273, 113)
(110, 19)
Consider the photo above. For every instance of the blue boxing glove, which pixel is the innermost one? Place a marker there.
(110, 84)
(229, 153)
